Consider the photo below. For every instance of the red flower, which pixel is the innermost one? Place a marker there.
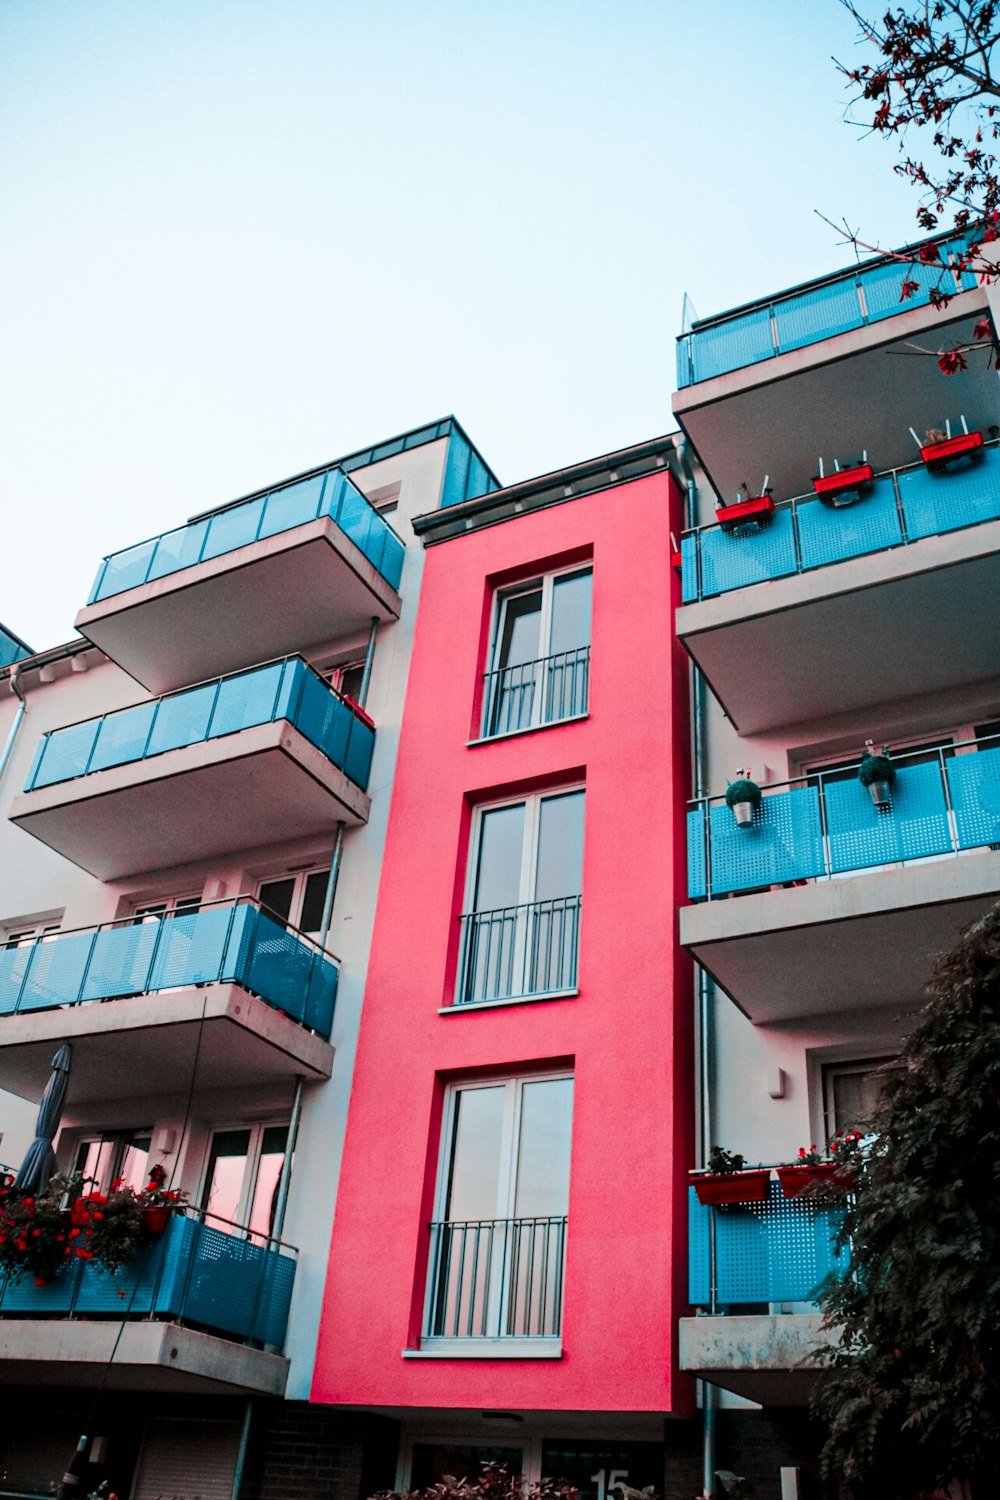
(983, 329)
(928, 254)
(951, 361)
(908, 288)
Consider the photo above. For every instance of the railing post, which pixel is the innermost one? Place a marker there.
(949, 807)
(900, 512)
(824, 829)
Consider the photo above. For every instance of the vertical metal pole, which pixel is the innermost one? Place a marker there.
(331, 886)
(369, 658)
(241, 1456)
(281, 1201)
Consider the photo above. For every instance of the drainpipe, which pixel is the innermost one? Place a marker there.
(15, 683)
(331, 886)
(281, 1200)
(241, 1456)
(703, 1003)
(369, 658)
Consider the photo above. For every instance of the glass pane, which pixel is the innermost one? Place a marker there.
(276, 896)
(519, 625)
(311, 919)
(559, 868)
(543, 1148)
(265, 1193)
(93, 1160)
(498, 876)
(571, 612)
(226, 1169)
(474, 1176)
(133, 1167)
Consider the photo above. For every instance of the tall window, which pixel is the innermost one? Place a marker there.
(540, 659)
(852, 1091)
(241, 1183)
(499, 1236)
(520, 928)
(296, 900)
(125, 1154)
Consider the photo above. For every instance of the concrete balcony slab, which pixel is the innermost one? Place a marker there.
(769, 1359)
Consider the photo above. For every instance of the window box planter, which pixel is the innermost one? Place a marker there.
(845, 487)
(795, 1180)
(731, 1187)
(758, 511)
(965, 445)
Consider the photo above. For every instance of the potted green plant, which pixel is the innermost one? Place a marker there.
(725, 1181)
(744, 797)
(877, 773)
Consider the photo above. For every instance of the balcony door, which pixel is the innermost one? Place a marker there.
(521, 924)
(539, 666)
(498, 1241)
(296, 900)
(241, 1181)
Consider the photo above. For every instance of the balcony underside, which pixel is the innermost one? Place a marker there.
(834, 639)
(252, 788)
(290, 592)
(148, 1357)
(852, 944)
(862, 389)
(118, 1045)
(763, 1358)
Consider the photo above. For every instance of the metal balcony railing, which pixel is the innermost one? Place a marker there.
(780, 1250)
(286, 689)
(807, 314)
(534, 693)
(903, 506)
(496, 1278)
(822, 825)
(326, 494)
(12, 649)
(519, 950)
(201, 1270)
(233, 942)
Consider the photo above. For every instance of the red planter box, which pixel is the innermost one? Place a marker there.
(154, 1219)
(831, 485)
(795, 1180)
(966, 445)
(759, 508)
(732, 1187)
(358, 711)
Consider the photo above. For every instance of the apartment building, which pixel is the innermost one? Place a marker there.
(195, 797)
(840, 579)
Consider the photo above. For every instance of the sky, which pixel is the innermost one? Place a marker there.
(241, 237)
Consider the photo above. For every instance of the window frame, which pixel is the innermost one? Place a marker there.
(257, 1129)
(494, 667)
(300, 879)
(528, 875)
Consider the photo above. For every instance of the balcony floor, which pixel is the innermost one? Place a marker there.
(251, 788)
(853, 944)
(119, 1045)
(763, 1358)
(148, 1357)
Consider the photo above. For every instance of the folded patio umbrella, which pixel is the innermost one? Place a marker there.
(40, 1161)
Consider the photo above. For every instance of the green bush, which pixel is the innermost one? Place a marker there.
(876, 768)
(743, 791)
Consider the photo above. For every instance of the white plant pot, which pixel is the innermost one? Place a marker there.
(743, 813)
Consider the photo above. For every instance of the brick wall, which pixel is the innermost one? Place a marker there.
(303, 1452)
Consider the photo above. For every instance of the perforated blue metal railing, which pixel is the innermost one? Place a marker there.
(287, 689)
(902, 506)
(776, 1251)
(232, 942)
(329, 494)
(824, 825)
(200, 1269)
(806, 315)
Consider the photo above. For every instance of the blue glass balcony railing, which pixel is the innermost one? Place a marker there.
(903, 506)
(807, 314)
(12, 649)
(942, 802)
(199, 1270)
(233, 942)
(326, 494)
(287, 689)
(776, 1251)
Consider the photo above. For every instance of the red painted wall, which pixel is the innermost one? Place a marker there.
(627, 1032)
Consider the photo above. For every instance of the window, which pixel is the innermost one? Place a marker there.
(296, 900)
(520, 928)
(241, 1181)
(346, 678)
(851, 1091)
(21, 936)
(124, 1154)
(499, 1237)
(540, 658)
(171, 905)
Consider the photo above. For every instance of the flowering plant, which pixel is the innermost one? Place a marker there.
(155, 1195)
(114, 1225)
(35, 1229)
(810, 1158)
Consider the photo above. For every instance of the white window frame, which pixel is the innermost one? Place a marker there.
(501, 599)
(119, 1140)
(486, 1347)
(251, 1170)
(166, 906)
(21, 936)
(300, 878)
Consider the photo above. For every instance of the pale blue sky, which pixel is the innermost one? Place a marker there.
(240, 237)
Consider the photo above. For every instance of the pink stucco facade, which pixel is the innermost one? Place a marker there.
(626, 1033)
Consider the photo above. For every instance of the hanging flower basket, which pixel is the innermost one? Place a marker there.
(965, 445)
(154, 1220)
(731, 1187)
(758, 511)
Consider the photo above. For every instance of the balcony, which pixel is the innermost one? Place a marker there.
(224, 987)
(199, 1291)
(763, 1256)
(247, 760)
(493, 1283)
(275, 574)
(916, 561)
(519, 952)
(799, 940)
(766, 387)
(535, 693)
(12, 648)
